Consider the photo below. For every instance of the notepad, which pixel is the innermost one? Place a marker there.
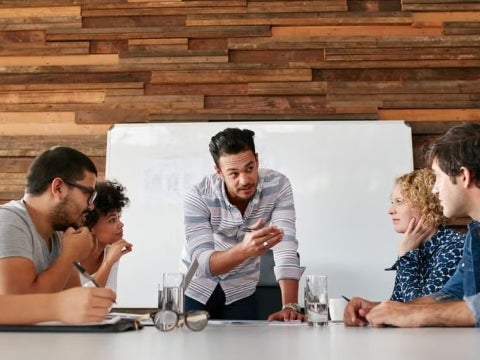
(115, 324)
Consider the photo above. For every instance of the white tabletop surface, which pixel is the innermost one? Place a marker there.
(249, 341)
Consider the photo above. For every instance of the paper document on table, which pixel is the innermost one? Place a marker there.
(237, 322)
(107, 321)
(255, 323)
(141, 318)
(287, 323)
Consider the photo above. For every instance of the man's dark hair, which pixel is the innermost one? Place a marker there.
(231, 141)
(110, 197)
(458, 147)
(58, 161)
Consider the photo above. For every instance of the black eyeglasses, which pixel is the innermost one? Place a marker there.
(88, 189)
(166, 320)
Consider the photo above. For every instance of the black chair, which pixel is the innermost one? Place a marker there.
(268, 294)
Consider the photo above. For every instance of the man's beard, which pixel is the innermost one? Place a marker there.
(60, 221)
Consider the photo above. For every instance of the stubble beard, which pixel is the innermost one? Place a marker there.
(60, 221)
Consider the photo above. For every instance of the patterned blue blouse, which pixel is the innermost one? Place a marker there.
(425, 270)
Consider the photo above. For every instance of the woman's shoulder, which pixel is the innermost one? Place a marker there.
(448, 235)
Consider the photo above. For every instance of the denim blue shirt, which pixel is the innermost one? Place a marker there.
(465, 283)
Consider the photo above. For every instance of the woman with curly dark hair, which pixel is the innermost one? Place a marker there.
(107, 232)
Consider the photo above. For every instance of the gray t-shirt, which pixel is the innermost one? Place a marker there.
(19, 237)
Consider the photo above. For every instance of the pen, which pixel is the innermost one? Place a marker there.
(247, 230)
(348, 300)
(85, 273)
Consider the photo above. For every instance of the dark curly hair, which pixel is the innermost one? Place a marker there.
(110, 197)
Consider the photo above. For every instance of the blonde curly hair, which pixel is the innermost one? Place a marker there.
(416, 188)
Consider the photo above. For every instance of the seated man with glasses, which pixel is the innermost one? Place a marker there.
(41, 235)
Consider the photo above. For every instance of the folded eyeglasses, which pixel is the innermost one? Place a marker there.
(167, 320)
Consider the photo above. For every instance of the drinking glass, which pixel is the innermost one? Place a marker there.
(316, 300)
(172, 294)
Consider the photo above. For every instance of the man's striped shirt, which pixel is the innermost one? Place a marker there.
(212, 224)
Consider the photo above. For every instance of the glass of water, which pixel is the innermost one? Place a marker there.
(172, 292)
(316, 300)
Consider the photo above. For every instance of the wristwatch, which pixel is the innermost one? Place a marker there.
(292, 306)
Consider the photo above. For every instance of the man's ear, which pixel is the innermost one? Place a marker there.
(256, 160)
(466, 177)
(218, 171)
(56, 188)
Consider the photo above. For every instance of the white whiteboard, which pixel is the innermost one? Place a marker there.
(341, 172)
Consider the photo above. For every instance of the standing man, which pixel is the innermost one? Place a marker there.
(35, 257)
(232, 217)
(455, 159)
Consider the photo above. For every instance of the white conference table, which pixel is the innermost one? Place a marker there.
(248, 341)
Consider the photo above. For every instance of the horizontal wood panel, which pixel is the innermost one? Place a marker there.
(264, 104)
(192, 89)
(229, 76)
(296, 6)
(155, 32)
(72, 68)
(304, 18)
(433, 116)
(378, 30)
(39, 12)
(31, 146)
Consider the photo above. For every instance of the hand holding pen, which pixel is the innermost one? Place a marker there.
(259, 240)
(84, 272)
(356, 311)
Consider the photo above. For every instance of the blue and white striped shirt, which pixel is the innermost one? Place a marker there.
(212, 224)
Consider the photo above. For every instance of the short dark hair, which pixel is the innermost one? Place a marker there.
(58, 161)
(458, 147)
(110, 197)
(231, 141)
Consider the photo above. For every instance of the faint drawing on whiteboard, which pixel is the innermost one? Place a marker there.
(162, 182)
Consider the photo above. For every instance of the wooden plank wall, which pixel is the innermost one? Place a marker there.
(71, 68)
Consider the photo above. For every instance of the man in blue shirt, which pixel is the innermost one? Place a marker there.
(455, 159)
(232, 217)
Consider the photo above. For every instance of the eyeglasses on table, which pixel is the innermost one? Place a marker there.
(167, 320)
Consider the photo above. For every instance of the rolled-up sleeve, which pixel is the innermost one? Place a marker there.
(473, 302)
(287, 262)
